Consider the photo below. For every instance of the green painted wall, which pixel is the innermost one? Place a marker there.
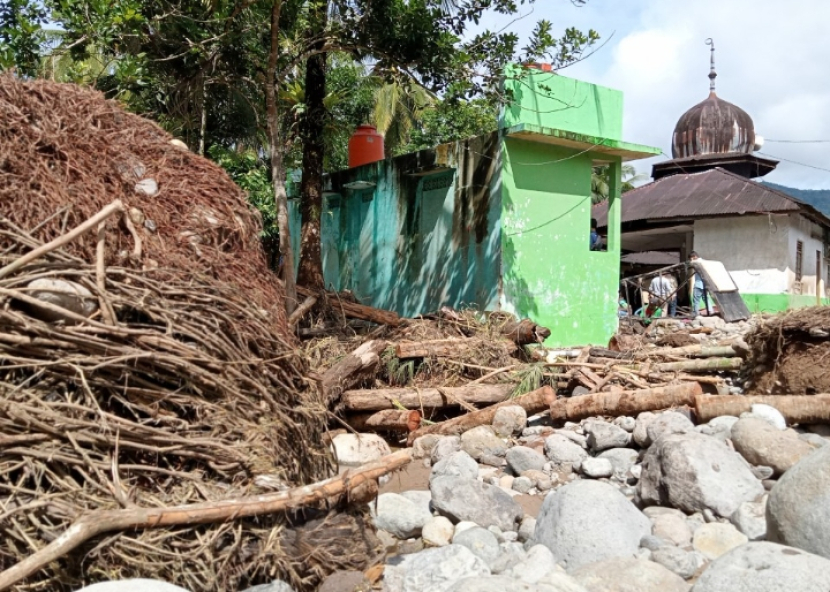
(549, 273)
(550, 100)
(760, 303)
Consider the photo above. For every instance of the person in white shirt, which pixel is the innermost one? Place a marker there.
(662, 289)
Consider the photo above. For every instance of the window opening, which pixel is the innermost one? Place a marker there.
(799, 260)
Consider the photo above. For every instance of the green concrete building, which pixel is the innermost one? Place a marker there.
(495, 222)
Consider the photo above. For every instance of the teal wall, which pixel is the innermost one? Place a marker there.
(550, 100)
(425, 236)
(549, 273)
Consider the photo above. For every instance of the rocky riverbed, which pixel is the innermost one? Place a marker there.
(652, 503)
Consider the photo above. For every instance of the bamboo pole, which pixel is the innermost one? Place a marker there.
(102, 521)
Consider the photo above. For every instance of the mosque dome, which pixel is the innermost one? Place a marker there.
(713, 126)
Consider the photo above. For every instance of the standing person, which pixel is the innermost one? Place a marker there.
(661, 289)
(699, 292)
(673, 297)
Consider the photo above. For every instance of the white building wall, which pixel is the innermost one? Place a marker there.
(754, 249)
(810, 234)
(759, 251)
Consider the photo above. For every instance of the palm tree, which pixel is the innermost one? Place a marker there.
(600, 181)
(398, 108)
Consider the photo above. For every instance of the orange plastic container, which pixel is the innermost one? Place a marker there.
(365, 146)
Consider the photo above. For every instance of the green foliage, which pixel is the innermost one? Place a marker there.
(449, 121)
(21, 35)
(531, 377)
(250, 172)
(398, 372)
(601, 181)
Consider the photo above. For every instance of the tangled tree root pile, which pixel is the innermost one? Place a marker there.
(789, 353)
(183, 387)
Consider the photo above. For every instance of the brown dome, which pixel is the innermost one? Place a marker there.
(713, 126)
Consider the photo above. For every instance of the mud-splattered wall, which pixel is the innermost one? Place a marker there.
(417, 232)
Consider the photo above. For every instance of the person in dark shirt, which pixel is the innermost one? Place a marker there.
(596, 241)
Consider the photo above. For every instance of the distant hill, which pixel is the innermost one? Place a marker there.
(818, 198)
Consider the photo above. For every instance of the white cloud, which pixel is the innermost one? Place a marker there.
(771, 58)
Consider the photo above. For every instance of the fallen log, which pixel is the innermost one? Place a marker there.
(601, 352)
(426, 398)
(524, 332)
(707, 365)
(441, 348)
(362, 363)
(101, 521)
(532, 402)
(795, 408)
(353, 310)
(692, 351)
(388, 420)
(624, 403)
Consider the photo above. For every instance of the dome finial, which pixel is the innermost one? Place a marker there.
(712, 74)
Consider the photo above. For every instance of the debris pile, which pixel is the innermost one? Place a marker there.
(788, 353)
(151, 396)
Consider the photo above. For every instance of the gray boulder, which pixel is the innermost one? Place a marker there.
(398, 515)
(510, 554)
(765, 567)
(275, 586)
(344, 581)
(64, 294)
(675, 560)
(667, 423)
(433, 570)
(622, 459)
(750, 519)
(798, 509)
(509, 420)
(506, 584)
(420, 497)
(670, 525)
(481, 542)
(716, 539)
(641, 424)
(761, 443)
(357, 449)
(694, 472)
(719, 427)
(769, 414)
(422, 447)
(597, 468)
(444, 447)
(458, 464)
(142, 585)
(538, 563)
(482, 441)
(521, 459)
(602, 436)
(629, 575)
(561, 451)
(588, 521)
(462, 499)
(626, 423)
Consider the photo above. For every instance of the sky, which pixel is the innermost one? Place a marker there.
(772, 59)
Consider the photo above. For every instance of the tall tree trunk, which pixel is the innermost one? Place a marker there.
(311, 189)
(278, 164)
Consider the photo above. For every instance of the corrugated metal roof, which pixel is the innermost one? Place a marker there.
(715, 192)
(651, 258)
